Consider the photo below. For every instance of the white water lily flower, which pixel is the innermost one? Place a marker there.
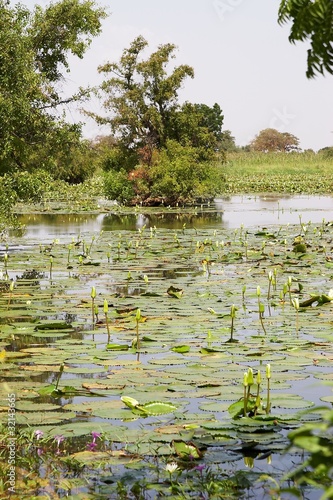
(330, 294)
(171, 468)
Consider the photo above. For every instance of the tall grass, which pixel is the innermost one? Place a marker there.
(278, 172)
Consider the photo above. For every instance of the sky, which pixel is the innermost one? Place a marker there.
(241, 57)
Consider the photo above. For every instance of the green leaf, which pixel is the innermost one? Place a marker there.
(117, 347)
(157, 408)
(186, 451)
(181, 348)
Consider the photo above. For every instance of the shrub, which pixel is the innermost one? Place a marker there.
(179, 176)
(117, 186)
(326, 153)
(30, 187)
(8, 198)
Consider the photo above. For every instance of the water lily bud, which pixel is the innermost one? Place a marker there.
(258, 291)
(138, 315)
(295, 302)
(245, 379)
(105, 306)
(258, 377)
(93, 293)
(250, 376)
(268, 371)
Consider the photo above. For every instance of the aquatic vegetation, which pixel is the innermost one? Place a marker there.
(195, 397)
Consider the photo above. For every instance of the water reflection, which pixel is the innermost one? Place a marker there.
(226, 212)
(264, 210)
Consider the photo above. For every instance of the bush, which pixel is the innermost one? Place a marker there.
(326, 153)
(118, 187)
(179, 176)
(30, 187)
(8, 198)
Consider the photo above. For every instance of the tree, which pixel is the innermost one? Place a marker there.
(270, 139)
(142, 96)
(164, 152)
(227, 142)
(326, 153)
(311, 20)
(199, 126)
(34, 51)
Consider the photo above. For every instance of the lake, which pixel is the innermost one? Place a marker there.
(184, 270)
(226, 212)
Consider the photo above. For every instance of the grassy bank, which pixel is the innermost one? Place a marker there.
(278, 172)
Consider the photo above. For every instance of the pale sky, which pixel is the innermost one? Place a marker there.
(241, 57)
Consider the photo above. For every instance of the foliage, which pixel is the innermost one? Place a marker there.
(109, 155)
(270, 139)
(179, 175)
(315, 439)
(327, 153)
(141, 96)
(227, 142)
(63, 28)
(34, 51)
(311, 20)
(117, 186)
(64, 155)
(199, 126)
(8, 198)
(29, 187)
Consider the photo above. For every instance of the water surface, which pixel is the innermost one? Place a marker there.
(226, 212)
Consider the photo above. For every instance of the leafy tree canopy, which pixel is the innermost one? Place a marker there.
(34, 51)
(164, 152)
(199, 126)
(141, 97)
(270, 139)
(311, 20)
(227, 142)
